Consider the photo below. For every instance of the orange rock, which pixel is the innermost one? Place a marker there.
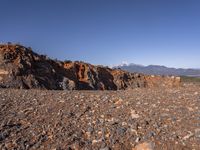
(26, 69)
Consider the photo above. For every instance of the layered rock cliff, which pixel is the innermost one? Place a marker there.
(20, 67)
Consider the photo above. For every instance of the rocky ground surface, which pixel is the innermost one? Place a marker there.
(137, 119)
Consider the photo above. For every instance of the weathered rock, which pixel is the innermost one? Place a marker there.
(20, 67)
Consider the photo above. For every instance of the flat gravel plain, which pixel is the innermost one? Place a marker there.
(148, 119)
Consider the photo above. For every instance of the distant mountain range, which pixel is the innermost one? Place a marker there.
(159, 70)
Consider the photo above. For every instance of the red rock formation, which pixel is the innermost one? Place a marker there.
(20, 67)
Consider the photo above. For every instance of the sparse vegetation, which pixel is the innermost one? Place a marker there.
(190, 79)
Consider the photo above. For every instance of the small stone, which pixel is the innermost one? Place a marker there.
(190, 109)
(138, 103)
(102, 116)
(90, 130)
(197, 133)
(137, 140)
(105, 148)
(121, 131)
(124, 123)
(144, 146)
(118, 102)
(103, 145)
(151, 134)
(188, 136)
(94, 141)
(134, 115)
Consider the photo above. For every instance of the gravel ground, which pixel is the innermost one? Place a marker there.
(154, 118)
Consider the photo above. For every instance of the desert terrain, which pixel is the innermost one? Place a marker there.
(49, 104)
(100, 75)
(148, 118)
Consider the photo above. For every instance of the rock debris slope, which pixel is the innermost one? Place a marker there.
(136, 119)
(20, 67)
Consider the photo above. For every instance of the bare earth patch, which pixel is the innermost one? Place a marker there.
(156, 118)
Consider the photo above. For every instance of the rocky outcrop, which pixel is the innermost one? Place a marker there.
(20, 67)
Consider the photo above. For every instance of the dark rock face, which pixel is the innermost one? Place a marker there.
(20, 67)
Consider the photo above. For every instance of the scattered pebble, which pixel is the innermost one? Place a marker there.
(145, 119)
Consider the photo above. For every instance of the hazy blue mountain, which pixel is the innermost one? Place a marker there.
(159, 70)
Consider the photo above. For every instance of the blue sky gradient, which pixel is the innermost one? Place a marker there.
(107, 32)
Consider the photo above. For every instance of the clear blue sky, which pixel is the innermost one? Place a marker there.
(163, 32)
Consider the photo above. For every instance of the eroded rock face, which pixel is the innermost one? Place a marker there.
(26, 69)
(20, 67)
